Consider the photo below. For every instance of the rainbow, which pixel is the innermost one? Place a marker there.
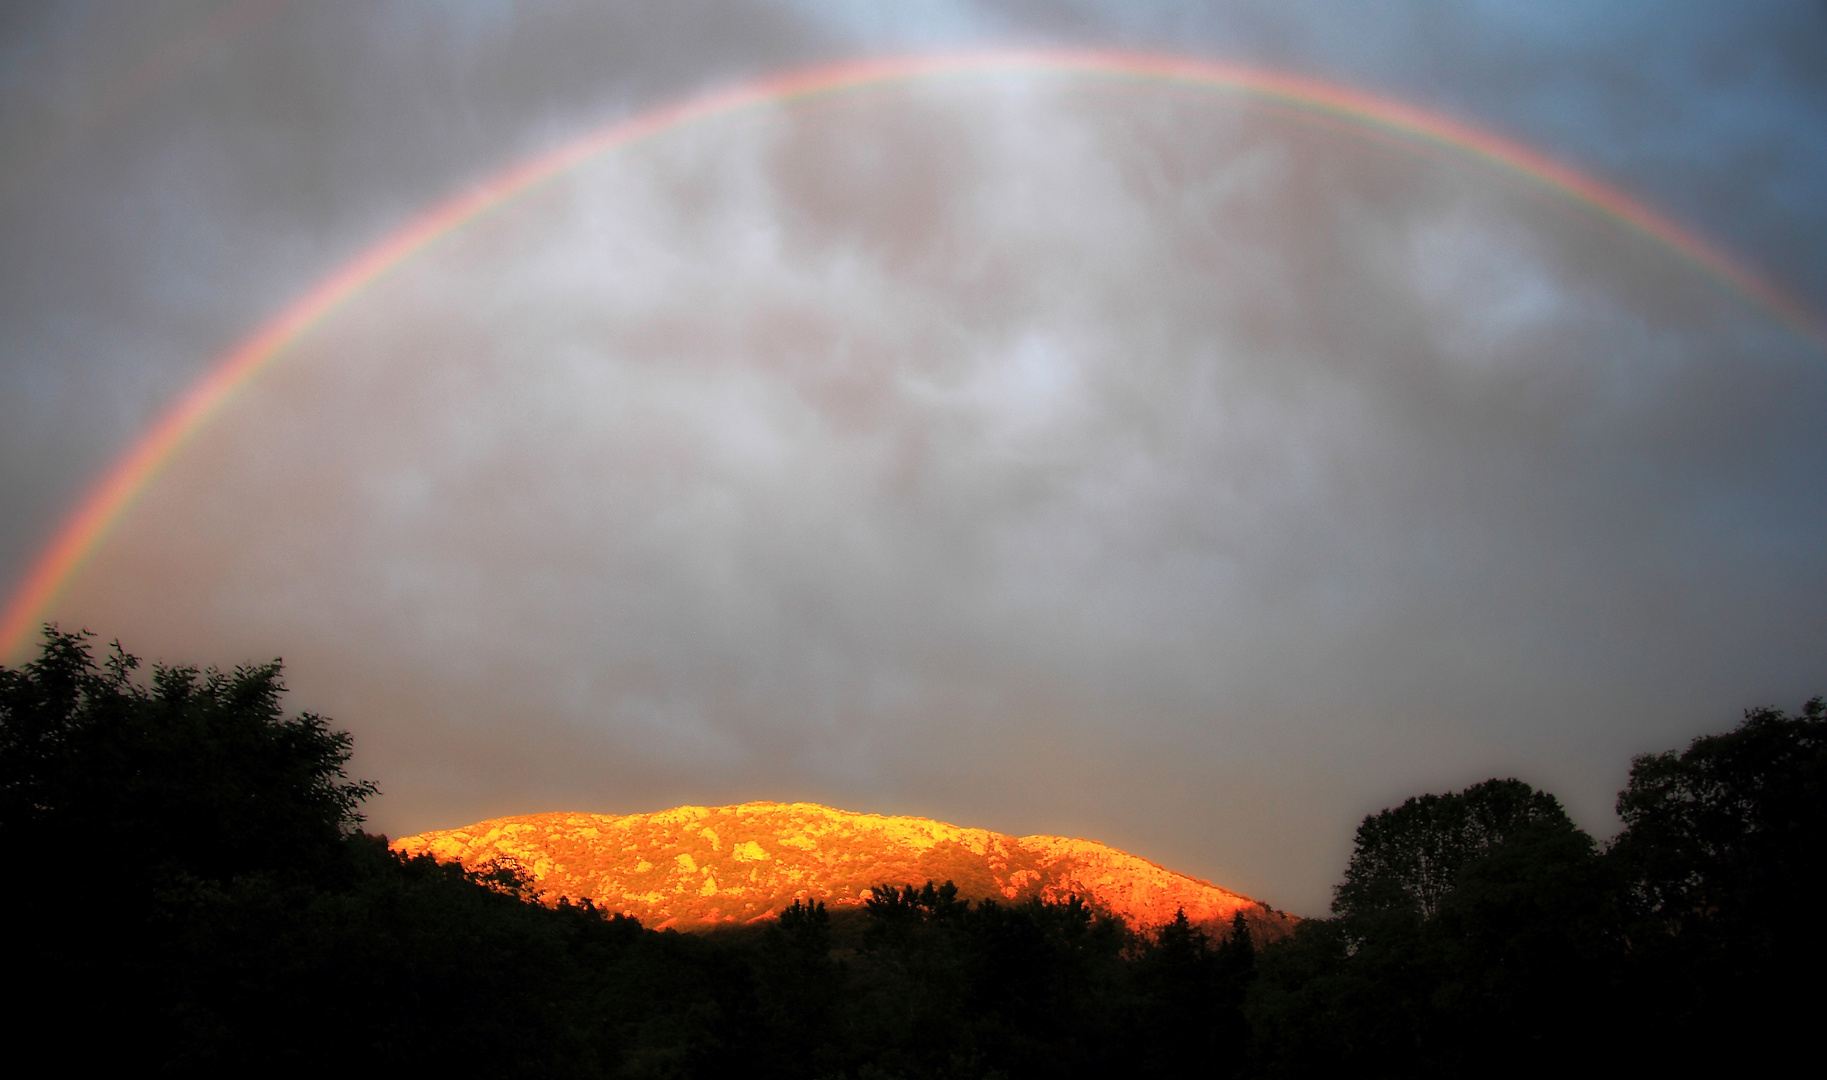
(105, 505)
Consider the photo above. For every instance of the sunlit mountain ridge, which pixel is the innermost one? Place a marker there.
(696, 867)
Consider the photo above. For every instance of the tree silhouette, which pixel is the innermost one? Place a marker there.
(146, 805)
(1733, 827)
(1724, 854)
(1408, 858)
(198, 774)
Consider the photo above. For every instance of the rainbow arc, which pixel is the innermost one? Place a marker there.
(106, 503)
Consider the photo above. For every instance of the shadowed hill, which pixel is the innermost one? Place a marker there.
(696, 867)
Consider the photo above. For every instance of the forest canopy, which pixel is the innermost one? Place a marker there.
(198, 896)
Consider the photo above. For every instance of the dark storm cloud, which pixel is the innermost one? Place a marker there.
(1025, 456)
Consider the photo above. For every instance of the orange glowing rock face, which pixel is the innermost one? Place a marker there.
(695, 867)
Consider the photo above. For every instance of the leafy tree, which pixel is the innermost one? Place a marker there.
(941, 986)
(1724, 855)
(1734, 829)
(891, 907)
(1191, 991)
(796, 980)
(1408, 858)
(1466, 922)
(1043, 976)
(1234, 962)
(198, 774)
(205, 904)
(135, 803)
(1523, 952)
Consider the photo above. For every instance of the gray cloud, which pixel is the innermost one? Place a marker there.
(1021, 452)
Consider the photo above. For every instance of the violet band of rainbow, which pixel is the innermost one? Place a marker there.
(104, 505)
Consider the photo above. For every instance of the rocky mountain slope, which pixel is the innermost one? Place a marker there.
(695, 867)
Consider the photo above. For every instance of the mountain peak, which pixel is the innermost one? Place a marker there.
(696, 867)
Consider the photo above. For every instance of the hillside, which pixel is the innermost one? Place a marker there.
(696, 867)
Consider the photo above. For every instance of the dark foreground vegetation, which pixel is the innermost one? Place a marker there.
(191, 894)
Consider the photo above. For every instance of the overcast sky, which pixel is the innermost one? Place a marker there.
(1037, 453)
